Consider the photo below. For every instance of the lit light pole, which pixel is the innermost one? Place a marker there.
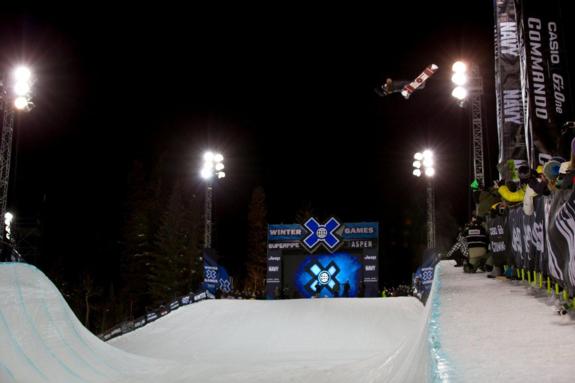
(15, 95)
(424, 165)
(471, 86)
(213, 166)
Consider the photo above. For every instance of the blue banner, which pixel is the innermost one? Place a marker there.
(216, 277)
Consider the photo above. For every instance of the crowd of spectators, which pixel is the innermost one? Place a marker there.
(519, 184)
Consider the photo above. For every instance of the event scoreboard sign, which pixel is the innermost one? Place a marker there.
(323, 259)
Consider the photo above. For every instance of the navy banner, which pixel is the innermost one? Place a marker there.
(545, 81)
(510, 117)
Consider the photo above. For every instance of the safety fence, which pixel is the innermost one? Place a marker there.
(541, 246)
(162, 310)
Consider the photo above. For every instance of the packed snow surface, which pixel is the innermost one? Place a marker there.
(487, 331)
(495, 330)
(304, 340)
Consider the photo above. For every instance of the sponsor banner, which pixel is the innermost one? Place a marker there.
(360, 244)
(371, 272)
(510, 117)
(215, 276)
(496, 230)
(538, 234)
(174, 305)
(273, 275)
(546, 87)
(355, 240)
(283, 245)
(561, 238)
(360, 230)
(544, 241)
(286, 233)
(516, 226)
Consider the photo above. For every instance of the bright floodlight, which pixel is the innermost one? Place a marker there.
(221, 174)
(219, 166)
(417, 164)
(459, 67)
(8, 217)
(20, 103)
(428, 163)
(21, 88)
(208, 156)
(459, 93)
(427, 153)
(417, 172)
(206, 173)
(418, 156)
(429, 172)
(218, 157)
(22, 74)
(459, 78)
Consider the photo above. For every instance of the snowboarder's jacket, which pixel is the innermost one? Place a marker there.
(476, 236)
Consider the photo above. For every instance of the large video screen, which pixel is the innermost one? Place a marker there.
(322, 274)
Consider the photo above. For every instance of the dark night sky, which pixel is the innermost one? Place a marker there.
(286, 93)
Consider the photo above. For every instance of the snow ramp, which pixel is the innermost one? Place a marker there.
(303, 340)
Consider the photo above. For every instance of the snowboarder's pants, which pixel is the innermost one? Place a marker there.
(476, 255)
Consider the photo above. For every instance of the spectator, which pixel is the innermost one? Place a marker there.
(346, 288)
(336, 290)
(476, 237)
(458, 251)
(536, 185)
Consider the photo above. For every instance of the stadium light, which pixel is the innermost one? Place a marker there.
(460, 93)
(15, 96)
(213, 165)
(424, 165)
(459, 79)
(459, 67)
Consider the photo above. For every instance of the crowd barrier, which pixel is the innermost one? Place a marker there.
(163, 310)
(541, 246)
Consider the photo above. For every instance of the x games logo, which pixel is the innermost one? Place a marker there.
(322, 234)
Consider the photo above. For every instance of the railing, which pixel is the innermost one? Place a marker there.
(163, 310)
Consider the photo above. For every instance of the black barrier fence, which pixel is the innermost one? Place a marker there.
(163, 310)
(541, 245)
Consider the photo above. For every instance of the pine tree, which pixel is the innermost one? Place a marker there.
(174, 254)
(141, 223)
(257, 239)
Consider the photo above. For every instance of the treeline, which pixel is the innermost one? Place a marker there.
(156, 252)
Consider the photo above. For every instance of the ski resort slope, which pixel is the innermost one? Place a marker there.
(314, 340)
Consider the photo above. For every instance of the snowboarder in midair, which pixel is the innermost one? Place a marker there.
(406, 88)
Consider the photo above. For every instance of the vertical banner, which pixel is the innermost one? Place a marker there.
(273, 276)
(510, 118)
(539, 236)
(561, 234)
(496, 227)
(545, 84)
(516, 225)
(216, 277)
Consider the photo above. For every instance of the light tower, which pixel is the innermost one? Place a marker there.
(213, 166)
(424, 165)
(15, 95)
(471, 86)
